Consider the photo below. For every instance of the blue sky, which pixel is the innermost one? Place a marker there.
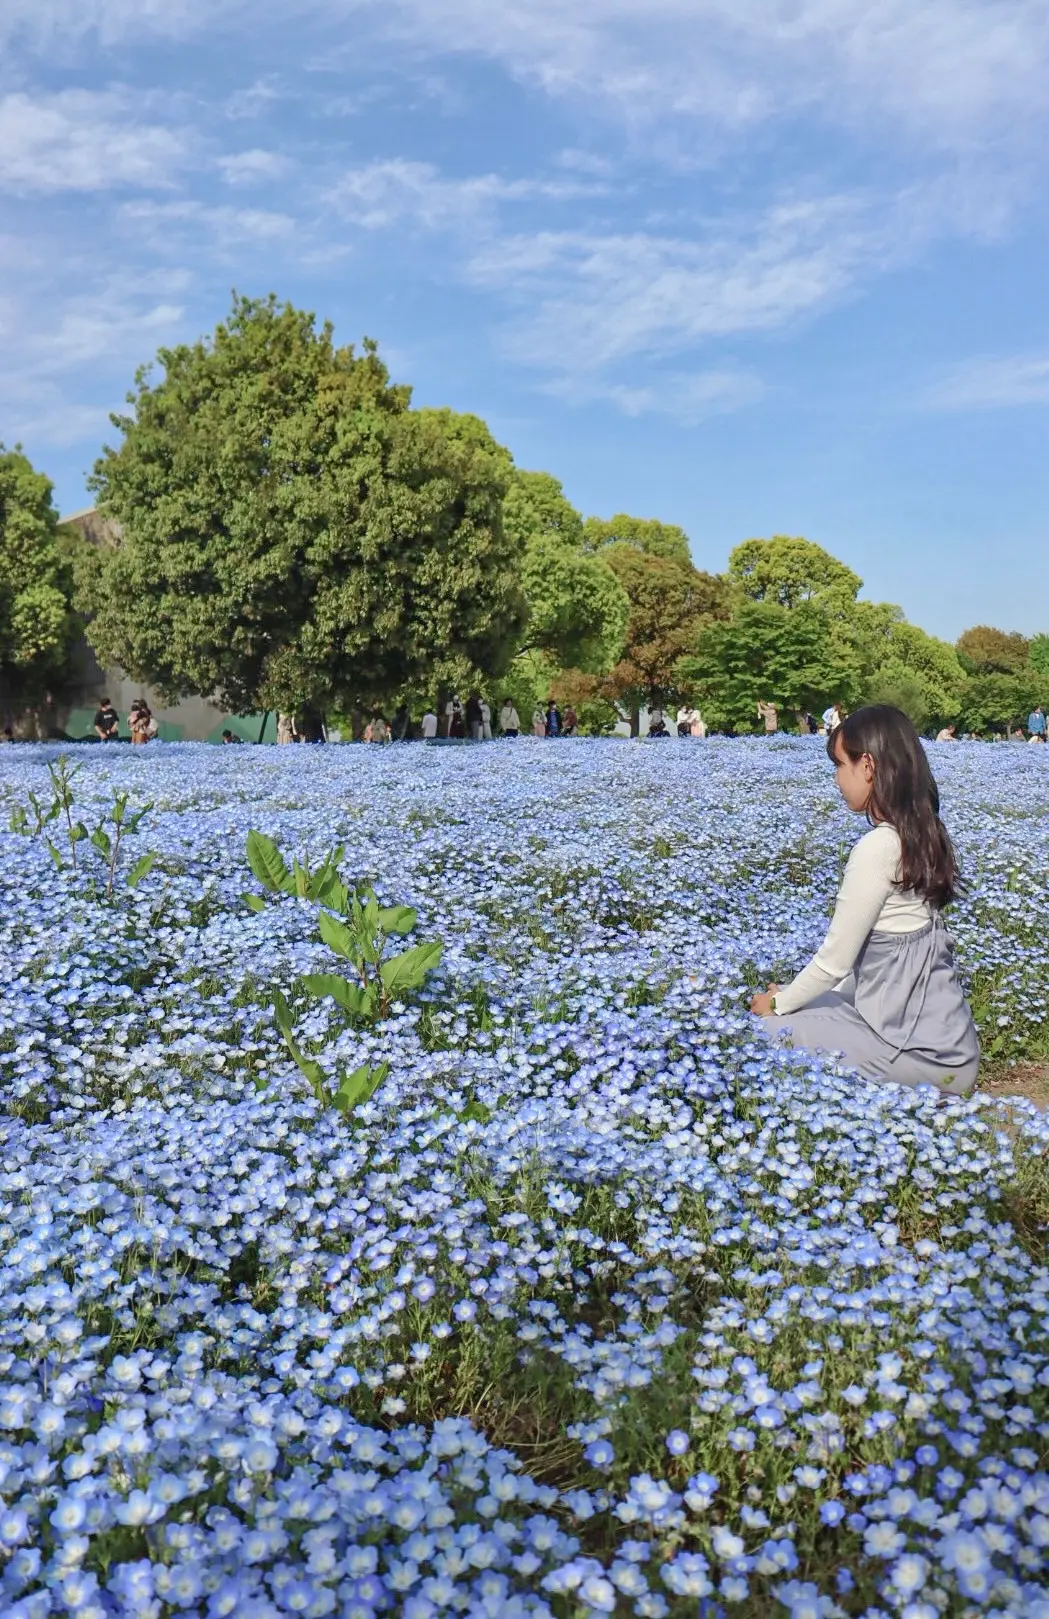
(751, 266)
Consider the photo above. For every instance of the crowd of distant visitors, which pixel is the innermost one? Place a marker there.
(140, 722)
(472, 720)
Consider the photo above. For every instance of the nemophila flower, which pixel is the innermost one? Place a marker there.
(687, 1575)
(654, 1187)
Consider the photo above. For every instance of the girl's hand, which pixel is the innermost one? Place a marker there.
(761, 1005)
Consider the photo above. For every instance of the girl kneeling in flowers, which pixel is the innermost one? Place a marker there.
(883, 988)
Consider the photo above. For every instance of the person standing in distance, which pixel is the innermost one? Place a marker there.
(107, 722)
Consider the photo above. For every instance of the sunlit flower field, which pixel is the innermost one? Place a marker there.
(601, 1305)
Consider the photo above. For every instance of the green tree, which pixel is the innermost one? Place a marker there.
(292, 533)
(577, 610)
(919, 674)
(997, 702)
(765, 652)
(791, 571)
(645, 534)
(901, 688)
(536, 506)
(1040, 654)
(987, 651)
(670, 602)
(37, 622)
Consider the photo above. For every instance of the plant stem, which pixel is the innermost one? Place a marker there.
(67, 801)
(114, 851)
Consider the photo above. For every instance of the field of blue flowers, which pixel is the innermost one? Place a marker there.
(601, 1305)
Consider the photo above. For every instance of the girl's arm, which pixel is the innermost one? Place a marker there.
(867, 883)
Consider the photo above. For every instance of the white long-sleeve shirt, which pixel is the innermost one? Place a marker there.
(868, 899)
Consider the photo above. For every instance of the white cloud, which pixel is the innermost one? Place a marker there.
(946, 70)
(98, 327)
(687, 397)
(591, 301)
(991, 383)
(583, 162)
(80, 140)
(252, 167)
(49, 418)
(253, 101)
(157, 224)
(64, 371)
(56, 25)
(952, 73)
(383, 194)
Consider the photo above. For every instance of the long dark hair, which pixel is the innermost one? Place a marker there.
(904, 796)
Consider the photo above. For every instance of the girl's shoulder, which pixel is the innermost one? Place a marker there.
(881, 845)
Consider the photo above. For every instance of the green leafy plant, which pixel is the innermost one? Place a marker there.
(32, 823)
(108, 843)
(358, 930)
(351, 1090)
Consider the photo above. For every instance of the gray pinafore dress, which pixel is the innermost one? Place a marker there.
(900, 1016)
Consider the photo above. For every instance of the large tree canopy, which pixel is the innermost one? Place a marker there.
(36, 619)
(292, 532)
(791, 571)
(577, 610)
(919, 674)
(768, 653)
(987, 651)
(1040, 653)
(996, 702)
(536, 507)
(670, 602)
(644, 534)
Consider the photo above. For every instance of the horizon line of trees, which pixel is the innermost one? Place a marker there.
(290, 532)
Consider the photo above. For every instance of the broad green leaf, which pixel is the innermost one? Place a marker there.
(301, 879)
(359, 1086)
(55, 855)
(78, 832)
(267, 864)
(409, 969)
(119, 808)
(398, 919)
(311, 1069)
(135, 821)
(140, 869)
(326, 889)
(337, 936)
(101, 841)
(306, 1065)
(254, 902)
(353, 998)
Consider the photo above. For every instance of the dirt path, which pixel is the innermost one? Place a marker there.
(1027, 1079)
